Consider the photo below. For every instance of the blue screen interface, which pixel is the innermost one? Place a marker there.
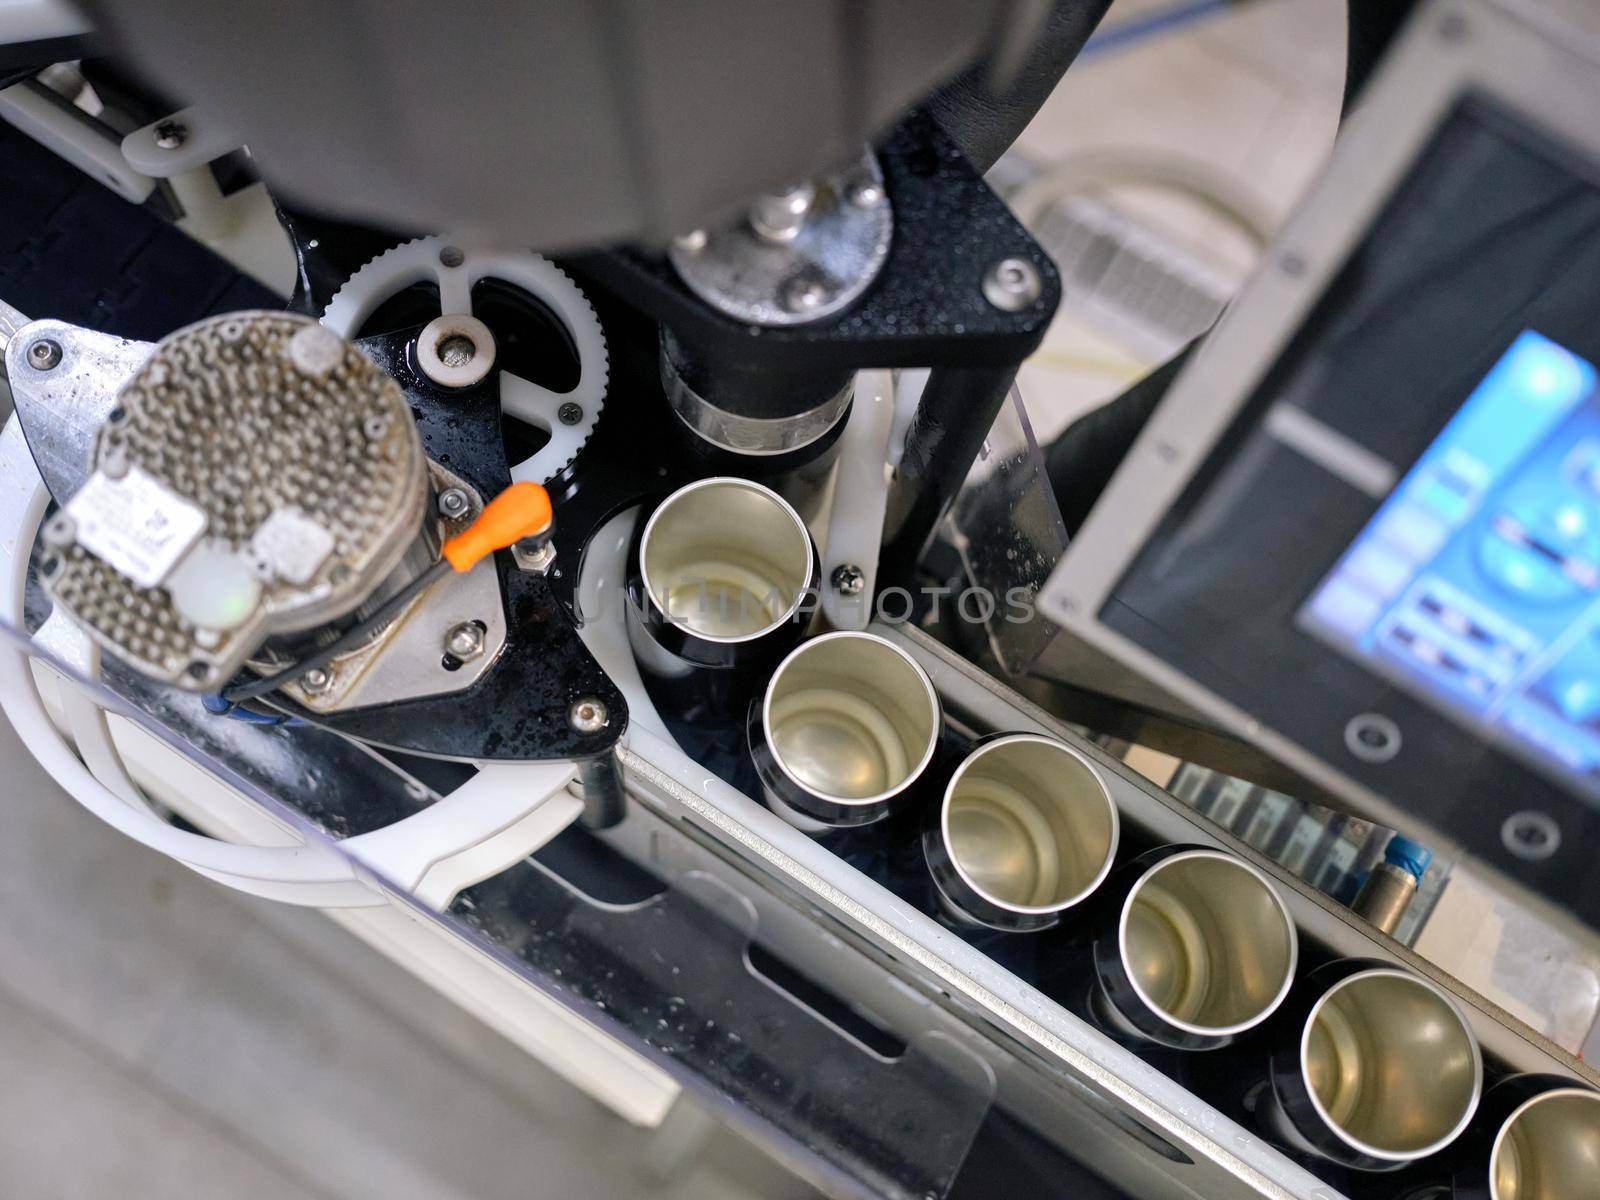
(1477, 584)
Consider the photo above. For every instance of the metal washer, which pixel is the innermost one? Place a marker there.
(790, 264)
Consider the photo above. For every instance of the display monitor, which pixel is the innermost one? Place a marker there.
(1477, 583)
(1361, 532)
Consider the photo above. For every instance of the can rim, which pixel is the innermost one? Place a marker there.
(933, 709)
(1105, 793)
(1232, 860)
(1470, 1109)
(1575, 1092)
(788, 613)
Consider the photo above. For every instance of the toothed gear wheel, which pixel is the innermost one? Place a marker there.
(429, 260)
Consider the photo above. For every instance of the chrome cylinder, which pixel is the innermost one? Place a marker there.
(845, 728)
(1026, 829)
(721, 578)
(1385, 896)
(757, 436)
(1201, 950)
(1536, 1138)
(1378, 1067)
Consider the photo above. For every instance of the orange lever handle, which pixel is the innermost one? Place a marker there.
(522, 510)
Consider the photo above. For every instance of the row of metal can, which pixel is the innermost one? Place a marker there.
(1367, 1064)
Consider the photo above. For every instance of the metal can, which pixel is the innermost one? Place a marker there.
(1201, 950)
(1025, 830)
(720, 577)
(1375, 1067)
(1537, 1137)
(844, 729)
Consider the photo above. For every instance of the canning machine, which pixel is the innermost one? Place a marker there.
(561, 503)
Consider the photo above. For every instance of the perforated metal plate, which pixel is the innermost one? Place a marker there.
(258, 421)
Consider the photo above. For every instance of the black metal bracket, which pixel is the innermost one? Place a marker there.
(925, 309)
(519, 709)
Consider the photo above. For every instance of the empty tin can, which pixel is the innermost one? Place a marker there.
(844, 729)
(1374, 1067)
(1201, 949)
(1026, 829)
(720, 577)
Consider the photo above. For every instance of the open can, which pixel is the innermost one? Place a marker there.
(1374, 1067)
(1201, 950)
(844, 729)
(1537, 1137)
(720, 575)
(1025, 830)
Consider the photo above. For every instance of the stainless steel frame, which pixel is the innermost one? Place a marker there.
(1068, 1080)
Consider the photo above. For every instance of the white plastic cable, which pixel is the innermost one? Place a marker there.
(485, 825)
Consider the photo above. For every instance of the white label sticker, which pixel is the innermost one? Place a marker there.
(135, 524)
(291, 545)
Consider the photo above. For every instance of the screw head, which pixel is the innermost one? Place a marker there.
(316, 681)
(171, 134)
(451, 256)
(454, 502)
(848, 579)
(866, 194)
(465, 641)
(44, 354)
(780, 216)
(587, 716)
(1012, 284)
(804, 295)
(569, 413)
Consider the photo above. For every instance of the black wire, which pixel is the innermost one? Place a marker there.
(348, 640)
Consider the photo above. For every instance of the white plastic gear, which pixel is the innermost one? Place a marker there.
(419, 262)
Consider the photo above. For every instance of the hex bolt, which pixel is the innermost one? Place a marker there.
(44, 354)
(1012, 284)
(569, 413)
(316, 681)
(465, 641)
(587, 716)
(535, 554)
(848, 579)
(453, 503)
(170, 135)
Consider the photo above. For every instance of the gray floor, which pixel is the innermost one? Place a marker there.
(162, 1037)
